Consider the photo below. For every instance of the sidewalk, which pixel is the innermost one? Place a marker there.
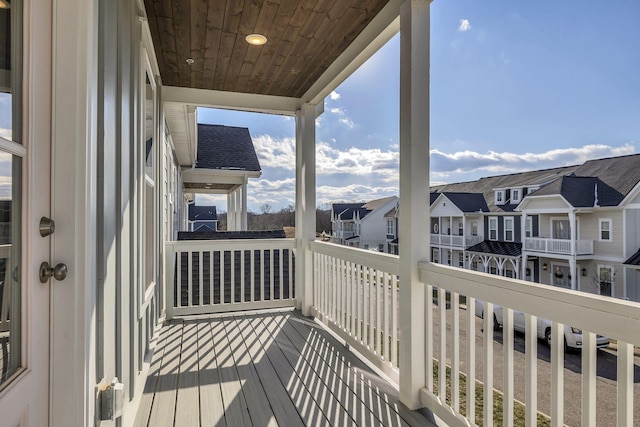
(614, 346)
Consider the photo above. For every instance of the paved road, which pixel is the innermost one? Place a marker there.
(606, 371)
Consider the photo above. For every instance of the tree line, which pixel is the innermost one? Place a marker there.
(267, 219)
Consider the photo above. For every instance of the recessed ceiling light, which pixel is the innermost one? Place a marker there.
(190, 61)
(256, 39)
(4, 4)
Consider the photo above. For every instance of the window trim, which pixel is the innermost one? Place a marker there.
(499, 197)
(608, 221)
(514, 199)
(528, 226)
(490, 229)
(512, 230)
(611, 278)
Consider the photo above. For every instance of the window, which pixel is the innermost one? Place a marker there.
(474, 228)
(560, 229)
(448, 257)
(391, 230)
(499, 197)
(605, 230)
(460, 229)
(493, 270)
(508, 229)
(605, 280)
(493, 228)
(435, 255)
(366, 246)
(528, 227)
(509, 273)
(474, 265)
(515, 196)
(381, 247)
(461, 260)
(149, 166)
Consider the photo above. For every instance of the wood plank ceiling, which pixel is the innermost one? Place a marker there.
(304, 38)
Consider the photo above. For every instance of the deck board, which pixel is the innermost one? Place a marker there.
(270, 369)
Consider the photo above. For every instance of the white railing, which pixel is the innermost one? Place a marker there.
(557, 246)
(447, 240)
(444, 322)
(356, 296)
(214, 276)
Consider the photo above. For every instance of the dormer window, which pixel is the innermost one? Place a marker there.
(499, 197)
(515, 196)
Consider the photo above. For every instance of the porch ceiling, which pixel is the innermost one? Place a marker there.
(304, 41)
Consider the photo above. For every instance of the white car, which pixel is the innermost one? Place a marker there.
(572, 336)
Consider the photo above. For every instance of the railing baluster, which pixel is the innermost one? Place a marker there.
(394, 321)
(261, 274)
(557, 374)
(372, 310)
(488, 363)
(342, 287)
(385, 304)
(291, 278)
(442, 358)
(455, 352)
(379, 334)
(354, 289)
(507, 346)
(211, 281)
(200, 277)
(281, 277)
(252, 279)
(178, 302)
(588, 379)
(271, 273)
(531, 368)
(428, 339)
(471, 359)
(222, 302)
(359, 300)
(334, 289)
(232, 254)
(242, 278)
(625, 384)
(189, 278)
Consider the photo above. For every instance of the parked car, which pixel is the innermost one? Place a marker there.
(572, 336)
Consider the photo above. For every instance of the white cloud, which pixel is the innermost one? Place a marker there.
(6, 133)
(465, 25)
(334, 95)
(347, 122)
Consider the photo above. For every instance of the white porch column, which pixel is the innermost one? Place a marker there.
(231, 212)
(574, 236)
(238, 203)
(305, 204)
(243, 222)
(414, 194)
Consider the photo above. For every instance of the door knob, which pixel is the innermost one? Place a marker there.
(59, 272)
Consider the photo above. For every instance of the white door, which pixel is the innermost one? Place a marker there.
(25, 135)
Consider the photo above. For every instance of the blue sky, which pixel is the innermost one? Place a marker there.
(515, 86)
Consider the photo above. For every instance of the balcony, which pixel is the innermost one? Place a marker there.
(293, 371)
(454, 241)
(557, 246)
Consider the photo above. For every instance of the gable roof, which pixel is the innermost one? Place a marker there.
(582, 192)
(468, 202)
(202, 213)
(346, 211)
(226, 148)
(615, 176)
(634, 259)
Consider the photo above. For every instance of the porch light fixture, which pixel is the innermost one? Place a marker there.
(584, 272)
(4, 4)
(544, 266)
(256, 39)
(189, 61)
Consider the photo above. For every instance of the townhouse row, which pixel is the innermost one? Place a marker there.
(576, 227)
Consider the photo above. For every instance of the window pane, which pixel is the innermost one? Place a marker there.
(10, 250)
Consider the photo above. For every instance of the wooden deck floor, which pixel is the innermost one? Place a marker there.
(263, 370)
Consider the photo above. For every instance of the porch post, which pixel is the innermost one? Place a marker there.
(305, 204)
(231, 211)
(243, 221)
(414, 194)
(572, 258)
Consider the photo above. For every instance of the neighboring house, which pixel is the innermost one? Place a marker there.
(202, 218)
(391, 222)
(362, 225)
(520, 225)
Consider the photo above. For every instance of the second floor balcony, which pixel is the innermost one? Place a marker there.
(558, 246)
(454, 241)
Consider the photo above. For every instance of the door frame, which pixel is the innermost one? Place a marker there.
(74, 205)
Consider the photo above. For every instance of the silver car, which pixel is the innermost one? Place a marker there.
(572, 336)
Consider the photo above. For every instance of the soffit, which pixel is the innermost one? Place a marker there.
(304, 39)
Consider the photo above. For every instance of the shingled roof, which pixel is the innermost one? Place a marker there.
(202, 213)
(510, 249)
(468, 202)
(226, 148)
(615, 176)
(633, 259)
